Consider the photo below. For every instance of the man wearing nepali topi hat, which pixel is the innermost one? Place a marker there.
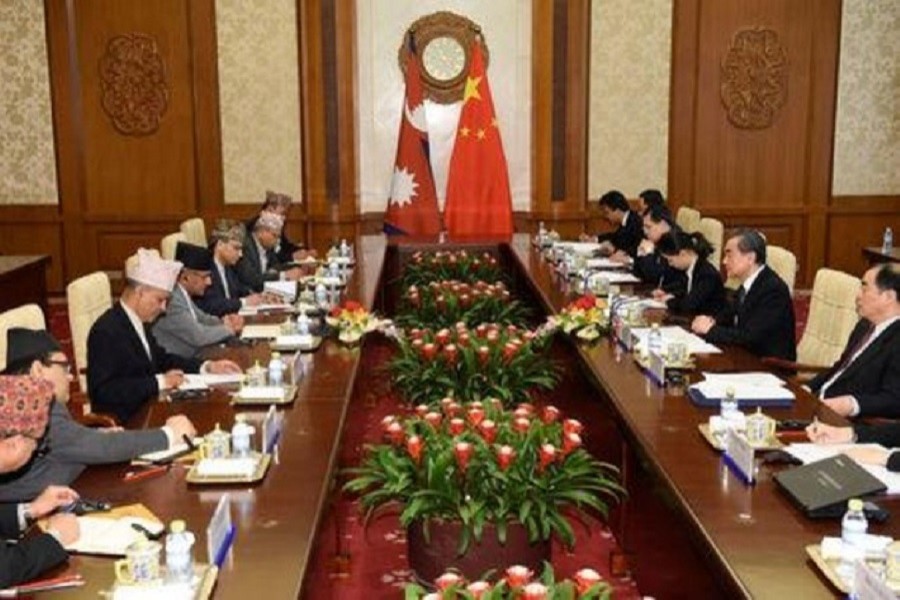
(24, 412)
(185, 329)
(68, 446)
(227, 294)
(286, 251)
(259, 262)
(126, 366)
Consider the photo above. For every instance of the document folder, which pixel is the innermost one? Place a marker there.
(822, 488)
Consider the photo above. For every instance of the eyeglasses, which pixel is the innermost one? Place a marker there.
(66, 365)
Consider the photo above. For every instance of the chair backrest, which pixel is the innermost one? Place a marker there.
(714, 232)
(688, 219)
(832, 316)
(168, 243)
(89, 297)
(784, 263)
(29, 316)
(194, 231)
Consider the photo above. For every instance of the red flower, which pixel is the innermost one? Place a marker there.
(442, 336)
(481, 330)
(418, 344)
(478, 589)
(465, 300)
(488, 430)
(415, 300)
(547, 455)
(451, 353)
(571, 441)
(585, 578)
(447, 580)
(505, 456)
(484, 355)
(415, 333)
(440, 303)
(387, 421)
(395, 433)
(463, 339)
(457, 426)
(572, 426)
(527, 407)
(433, 418)
(463, 452)
(550, 414)
(534, 591)
(522, 412)
(476, 415)
(422, 410)
(414, 445)
(454, 409)
(352, 305)
(429, 351)
(521, 424)
(446, 401)
(496, 403)
(509, 351)
(517, 576)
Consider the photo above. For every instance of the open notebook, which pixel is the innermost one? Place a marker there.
(111, 533)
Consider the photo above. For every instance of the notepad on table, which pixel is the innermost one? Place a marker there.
(227, 467)
(111, 533)
(809, 452)
(261, 332)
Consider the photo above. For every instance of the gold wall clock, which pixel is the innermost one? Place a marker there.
(443, 42)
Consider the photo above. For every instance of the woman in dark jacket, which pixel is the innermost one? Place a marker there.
(704, 292)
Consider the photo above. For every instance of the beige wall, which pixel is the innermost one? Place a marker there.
(259, 98)
(867, 128)
(380, 28)
(27, 162)
(629, 97)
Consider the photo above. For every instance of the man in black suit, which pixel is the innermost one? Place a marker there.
(629, 228)
(126, 366)
(761, 316)
(886, 434)
(649, 264)
(24, 412)
(286, 251)
(259, 262)
(866, 379)
(227, 294)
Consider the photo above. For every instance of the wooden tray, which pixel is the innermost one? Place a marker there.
(289, 393)
(261, 467)
(773, 443)
(829, 570)
(208, 575)
(311, 347)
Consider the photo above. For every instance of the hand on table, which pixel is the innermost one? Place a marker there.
(55, 496)
(842, 405)
(292, 274)
(181, 426)
(869, 456)
(64, 527)
(702, 324)
(821, 433)
(233, 322)
(173, 379)
(620, 257)
(224, 366)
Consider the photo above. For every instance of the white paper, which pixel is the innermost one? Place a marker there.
(671, 334)
(265, 332)
(603, 264)
(743, 391)
(163, 454)
(809, 452)
(616, 277)
(285, 289)
(100, 535)
(262, 392)
(249, 311)
(579, 247)
(758, 378)
(226, 467)
(203, 380)
(294, 340)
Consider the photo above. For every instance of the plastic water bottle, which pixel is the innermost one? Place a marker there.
(655, 340)
(887, 242)
(542, 234)
(179, 553)
(853, 532)
(728, 407)
(344, 249)
(240, 436)
(321, 295)
(303, 324)
(276, 370)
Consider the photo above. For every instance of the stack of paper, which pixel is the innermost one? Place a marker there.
(695, 344)
(813, 452)
(250, 311)
(285, 289)
(615, 277)
(102, 535)
(227, 467)
(162, 455)
(265, 332)
(584, 248)
(202, 381)
(603, 264)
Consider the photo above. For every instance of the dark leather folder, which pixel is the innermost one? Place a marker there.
(821, 489)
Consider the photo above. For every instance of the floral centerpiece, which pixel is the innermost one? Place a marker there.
(352, 321)
(507, 363)
(461, 265)
(587, 317)
(444, 303)
(517, 582)
(478, 466)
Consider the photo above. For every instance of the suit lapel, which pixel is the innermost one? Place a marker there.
(133, 338)
(872, 350)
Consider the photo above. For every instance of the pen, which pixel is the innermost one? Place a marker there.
(187, 440)
(132, 476)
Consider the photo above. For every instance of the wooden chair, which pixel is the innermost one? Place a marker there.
(168, 243)
(688, 219)
(89, 297)
(194, 231)
(29, 316)
(714, 232)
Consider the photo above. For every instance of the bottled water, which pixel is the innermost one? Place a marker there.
(655, 340)
(542, 234)
(853, 533)
(887, 242)
(179, 553)
(344, 249)
(276, 370)
(240, 436)
(302, 324)
(728, 407)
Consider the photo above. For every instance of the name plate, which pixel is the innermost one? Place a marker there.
(298, 367)
(271, 429)
(626, 338)
(657, 368)
(869, 586)
(739, 456)
(220, 532)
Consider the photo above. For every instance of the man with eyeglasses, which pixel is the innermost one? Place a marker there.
(126, 365)
(24, 407)
(185, 329)
(68, 446)
(227, 294)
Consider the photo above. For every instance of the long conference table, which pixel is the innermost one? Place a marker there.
(743, 541)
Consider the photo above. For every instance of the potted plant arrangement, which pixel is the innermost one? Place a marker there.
(444, 303)
(587, 317)
(352, 321)
(444, 265)
(490, 360)
(480, 486)
(517, 582)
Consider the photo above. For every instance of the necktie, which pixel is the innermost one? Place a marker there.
(739, 300)
(859, 345)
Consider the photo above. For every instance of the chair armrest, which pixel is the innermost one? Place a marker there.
(98, 420)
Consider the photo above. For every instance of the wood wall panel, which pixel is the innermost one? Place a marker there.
(34, 230)
(855, 222)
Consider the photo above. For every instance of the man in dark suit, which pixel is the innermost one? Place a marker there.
(24, 407)
(69, 447)
(649, 264)
(286, 251)
(761, 316)
(259, 262)
(126, 366)
(629, 228)
(227, 294)
(887, 434)
(866, 379)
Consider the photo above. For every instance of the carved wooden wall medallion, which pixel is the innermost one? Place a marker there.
(754, 78)
(134, 90)
(443, 43)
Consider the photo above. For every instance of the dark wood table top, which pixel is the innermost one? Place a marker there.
(9, 263)
(876, 255)
(753, 532)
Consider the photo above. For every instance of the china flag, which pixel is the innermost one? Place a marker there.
(478, 197)
(412, 208)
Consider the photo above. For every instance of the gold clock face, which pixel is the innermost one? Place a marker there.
(444, 59)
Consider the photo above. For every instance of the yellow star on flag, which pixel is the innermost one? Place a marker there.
(472, 89)
(464, 132)
(480, 134)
